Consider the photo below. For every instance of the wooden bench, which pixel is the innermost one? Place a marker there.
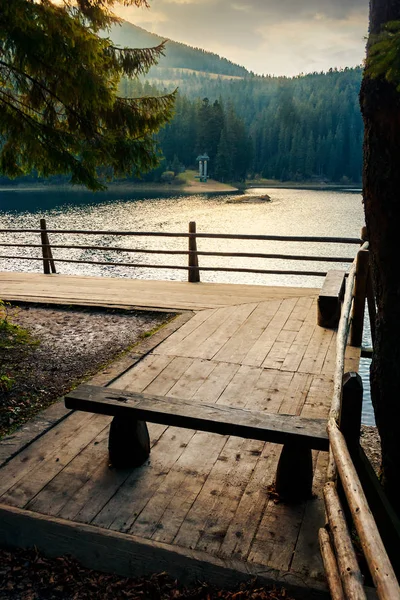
(129, 443)
(330, 299)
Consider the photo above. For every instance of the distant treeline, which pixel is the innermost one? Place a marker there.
(301, 128)
(201, 126)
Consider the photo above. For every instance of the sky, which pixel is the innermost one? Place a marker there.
(277, 37)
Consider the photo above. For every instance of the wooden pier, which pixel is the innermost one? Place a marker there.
(264, 363)
(202, 505)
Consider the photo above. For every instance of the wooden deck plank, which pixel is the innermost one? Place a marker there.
(189, 470)
(216, 382)
(239, 344)
(184, 331)
(192, 379)
(240, 387)
(105, 291)
(258, 352)
(168, 377)
(183, 521)
(270, 393)
(228, 328)
(304, 334)
(253, 347)
(277, 355)
(304, 306)
(94, 494)
(33, 455)
(123, 508)
(318, 401)
(190, 488)
(246, 520)
(144, 372)
(22, 492)
(198, 520)
(277, 534)
(201, 334)
(63, 487)
(316, 351)
(226, 502)
(307, 559)
(280, 525)
(296, 394)
(330, 358)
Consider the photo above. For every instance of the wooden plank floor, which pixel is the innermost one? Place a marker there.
(135, 293)
(200, 491)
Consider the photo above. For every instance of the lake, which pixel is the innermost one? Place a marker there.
(292, 212)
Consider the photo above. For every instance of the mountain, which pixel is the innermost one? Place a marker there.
(177, 56)
(305, 128)
(300, 128)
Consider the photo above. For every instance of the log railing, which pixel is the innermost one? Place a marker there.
(192, 267)
(345, 499)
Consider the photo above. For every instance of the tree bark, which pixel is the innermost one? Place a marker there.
(380, 107)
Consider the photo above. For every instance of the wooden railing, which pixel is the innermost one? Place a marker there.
(345, 499)
(193, 268)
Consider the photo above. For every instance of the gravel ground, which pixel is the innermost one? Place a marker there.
(74, 344)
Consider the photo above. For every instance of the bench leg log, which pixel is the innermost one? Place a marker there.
(294, 475)
(128, 442)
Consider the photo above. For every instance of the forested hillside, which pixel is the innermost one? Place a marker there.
(306, 127)
(177, 56)
(302, 128)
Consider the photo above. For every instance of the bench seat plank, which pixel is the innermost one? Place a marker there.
(225, 420)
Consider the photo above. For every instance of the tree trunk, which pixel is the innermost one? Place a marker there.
(380, 106)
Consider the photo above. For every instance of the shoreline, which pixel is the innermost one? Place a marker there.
(190, 188)
(289, 185)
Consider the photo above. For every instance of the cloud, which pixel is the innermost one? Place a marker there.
(267, 36)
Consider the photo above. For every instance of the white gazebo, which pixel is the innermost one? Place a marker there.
(203, 162)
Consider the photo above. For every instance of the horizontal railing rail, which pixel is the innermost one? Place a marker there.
(192, 267)
(334, 259)
(222, 236)
(178, 267)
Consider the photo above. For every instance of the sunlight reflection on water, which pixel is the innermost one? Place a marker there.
(291, 212)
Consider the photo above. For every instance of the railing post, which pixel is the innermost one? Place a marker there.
(194, 271)
(370, 293)
(48, 262)
(371, 306)
(350, 425)
(360, 293)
